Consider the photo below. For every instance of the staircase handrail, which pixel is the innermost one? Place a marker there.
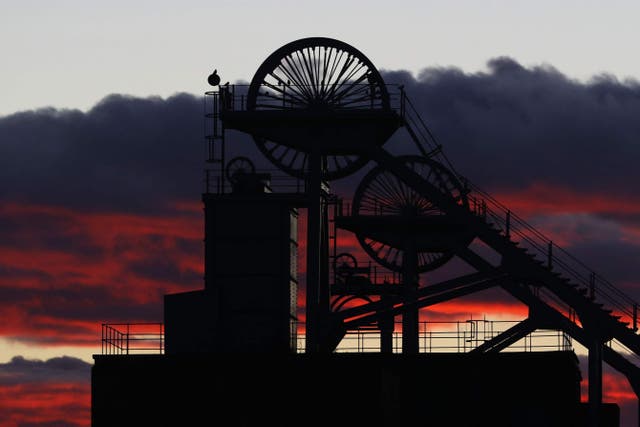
(511, 225)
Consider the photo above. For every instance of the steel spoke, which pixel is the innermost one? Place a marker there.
(321, 73)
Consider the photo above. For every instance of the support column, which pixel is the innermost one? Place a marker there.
(313, 252)
(386, 323)
(410, 315)
(634, 382)
(595, 382)
(324, 294)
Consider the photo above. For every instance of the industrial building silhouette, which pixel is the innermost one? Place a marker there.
(242, 351)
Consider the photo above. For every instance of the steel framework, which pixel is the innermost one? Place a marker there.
(320, 111)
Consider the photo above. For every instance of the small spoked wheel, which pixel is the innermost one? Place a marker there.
(345, 301)
(344, 264)
(237, 167)
(321, 75)
(407, 214)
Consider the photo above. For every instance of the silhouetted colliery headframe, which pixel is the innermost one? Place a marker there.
(319, 112)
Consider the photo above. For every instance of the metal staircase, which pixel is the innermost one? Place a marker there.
(521, 244)
(561, 292)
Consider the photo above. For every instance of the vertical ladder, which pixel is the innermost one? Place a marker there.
(214, 134)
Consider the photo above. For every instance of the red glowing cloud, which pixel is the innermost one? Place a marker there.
(615, 389)
(548, 199)
(66, 271)
(52, 392)
(44, 404)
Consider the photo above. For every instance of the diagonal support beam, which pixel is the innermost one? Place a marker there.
(425, 302)
(425, 292)
(506, 338)
(550, 316)
(519, 263)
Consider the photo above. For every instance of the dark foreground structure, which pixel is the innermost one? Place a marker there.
(344, 389)
(253, 347)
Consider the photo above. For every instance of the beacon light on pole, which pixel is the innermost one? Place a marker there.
(214, 78)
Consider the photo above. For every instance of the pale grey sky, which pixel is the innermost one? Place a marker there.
(71, 53)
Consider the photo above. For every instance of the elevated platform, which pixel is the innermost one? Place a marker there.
(332, 131)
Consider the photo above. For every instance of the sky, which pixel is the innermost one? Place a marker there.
(101, 137)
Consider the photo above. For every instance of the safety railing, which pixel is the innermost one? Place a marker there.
(361, 266)
(291, 97)
(553, 257)
(539, 246)
(452, 337)
(234, 98)
(434, 337)
(272, 180)
(132, 338)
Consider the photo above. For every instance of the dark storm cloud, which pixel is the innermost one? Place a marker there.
(125, 153)
(616, 261)
(505, 127)
(58, 369)
(512, 125)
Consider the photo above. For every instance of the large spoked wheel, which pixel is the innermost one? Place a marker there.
(315, 74)
(384, 195)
